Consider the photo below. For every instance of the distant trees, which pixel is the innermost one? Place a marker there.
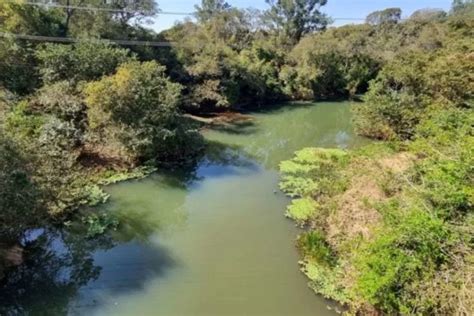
(210, 8)
(241, 65)
(428, 14)
(295, 18)
(459, 5)
(387, 16)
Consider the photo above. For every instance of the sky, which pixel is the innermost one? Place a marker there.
(334, 8)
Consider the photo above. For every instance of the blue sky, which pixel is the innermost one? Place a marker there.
(335, 8)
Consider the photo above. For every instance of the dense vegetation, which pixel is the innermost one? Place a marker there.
(389, 226)
(74, 116)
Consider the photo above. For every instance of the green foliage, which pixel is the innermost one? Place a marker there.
(104, 110)
(462, 5)
(299, 174)
(294, 18)
(403, 253)
(20, 206)
(446, 140)
(417, 258)
(301, 210)
(387, 16)
(17, 72)
(60, 99)
(425, 15)
(326, 281)
(210, 8)
(112, 176)
(314, 247)
(399, 97)
(86, 60)
(330, 64)
(321, 267)
(25, 19)
(394, 103)
(98, 223)
(138, 109)
(21, 124)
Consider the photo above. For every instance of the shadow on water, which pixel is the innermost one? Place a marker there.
(51, 275)
(247, 127)
(60, 265)
(284, 106)
(65, 271)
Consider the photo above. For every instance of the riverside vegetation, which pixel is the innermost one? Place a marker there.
(388, 226)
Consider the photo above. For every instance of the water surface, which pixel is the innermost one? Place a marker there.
(208, 240)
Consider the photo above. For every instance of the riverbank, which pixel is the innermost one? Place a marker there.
(372, 226)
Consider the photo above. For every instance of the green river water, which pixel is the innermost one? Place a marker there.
(208, 240)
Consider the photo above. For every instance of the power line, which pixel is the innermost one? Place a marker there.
(90, 8)
(75, 40)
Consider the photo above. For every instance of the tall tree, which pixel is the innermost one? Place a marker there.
(387, 16)
(122, 11)
(294, 18)
(459, 5)
(210, 8)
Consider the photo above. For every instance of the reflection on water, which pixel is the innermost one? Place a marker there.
(276, 134)
(208, 240)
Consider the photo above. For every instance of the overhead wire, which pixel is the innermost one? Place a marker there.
(91, 8)
(118, 41)
(76, 40)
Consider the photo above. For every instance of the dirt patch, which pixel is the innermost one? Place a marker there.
(397, 163)
(222, 119)
(101, 157)
(355, 215)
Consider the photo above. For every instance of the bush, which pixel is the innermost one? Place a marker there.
(87, 60)
(137, 108)
(313, 172)
(399, 97)
(20, 206)
(446, 141)
(403, 253)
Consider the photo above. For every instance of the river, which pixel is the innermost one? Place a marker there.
(208, 240)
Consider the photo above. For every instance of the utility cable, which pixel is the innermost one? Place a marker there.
(75, 40)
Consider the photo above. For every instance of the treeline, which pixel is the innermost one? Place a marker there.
(389, 226)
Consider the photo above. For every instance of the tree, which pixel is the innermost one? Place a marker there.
(133, 11)
(16, 17)
(459, 5)
(210, 8)
(428, 14)
(387, 16)
(87, 60)
(137, 109)
(294, 18)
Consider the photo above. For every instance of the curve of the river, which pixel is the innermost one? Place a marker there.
(209, 240)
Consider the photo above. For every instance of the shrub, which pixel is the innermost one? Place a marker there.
(138, 108)
(87, 60)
